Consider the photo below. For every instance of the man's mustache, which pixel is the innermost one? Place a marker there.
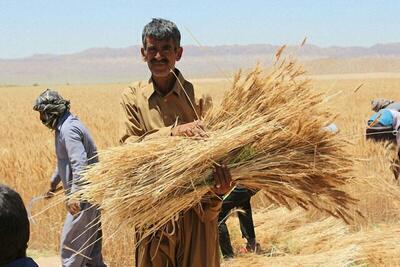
(162, 61)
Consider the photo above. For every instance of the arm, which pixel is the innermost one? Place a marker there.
(209, 208)
(211, 203)
(76, 154)
(55, 179)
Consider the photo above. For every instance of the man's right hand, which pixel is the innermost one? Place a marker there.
(192, 129)
(50, 193)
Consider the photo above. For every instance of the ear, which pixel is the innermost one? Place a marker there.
(143, 52)
(179, 52)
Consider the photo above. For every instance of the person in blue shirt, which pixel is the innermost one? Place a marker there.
(14, 230)
(384, 125)
(75, 149)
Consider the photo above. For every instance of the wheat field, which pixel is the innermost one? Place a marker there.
(289, 238)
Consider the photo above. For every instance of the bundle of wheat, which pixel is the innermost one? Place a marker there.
(268, 130)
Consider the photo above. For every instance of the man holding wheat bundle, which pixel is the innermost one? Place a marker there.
(166, 106)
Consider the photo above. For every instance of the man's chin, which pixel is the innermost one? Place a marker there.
(160, 74)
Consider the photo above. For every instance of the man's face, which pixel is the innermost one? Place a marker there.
(42, 116)
(45, 118)
(161, 56)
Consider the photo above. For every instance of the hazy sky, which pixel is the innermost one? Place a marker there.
(30, 27)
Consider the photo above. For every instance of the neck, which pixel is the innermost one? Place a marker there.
(165, 84)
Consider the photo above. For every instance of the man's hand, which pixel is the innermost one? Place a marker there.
(50, 193)
(223, 180)
(192, 129)
(73, 206)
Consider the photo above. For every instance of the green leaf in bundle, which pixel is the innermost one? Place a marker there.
(245, 154)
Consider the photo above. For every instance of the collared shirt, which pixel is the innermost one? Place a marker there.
(75, 148)
(150, 112)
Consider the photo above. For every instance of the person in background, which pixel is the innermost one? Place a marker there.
(381, 103)
(14, 230)
(75, 149)
(239, 198)
(384, 125)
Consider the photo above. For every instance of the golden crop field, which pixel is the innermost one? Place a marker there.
(290, 238)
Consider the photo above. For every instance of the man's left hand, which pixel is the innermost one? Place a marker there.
(73, 206)
(223, 180)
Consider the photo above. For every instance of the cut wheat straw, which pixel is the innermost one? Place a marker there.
(297, 238)
(268, 129)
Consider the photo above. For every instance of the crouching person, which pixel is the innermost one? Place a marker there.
(14, 230)
(384, 126)
(81, 236)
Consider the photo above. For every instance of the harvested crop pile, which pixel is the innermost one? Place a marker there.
(269, 130)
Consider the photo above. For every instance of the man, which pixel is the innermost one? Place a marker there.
(381, 124)
(75, 149)
(14, 230)
(384, 125)
(238, 198)
(165, 106)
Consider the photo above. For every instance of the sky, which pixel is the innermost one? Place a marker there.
(29, 27)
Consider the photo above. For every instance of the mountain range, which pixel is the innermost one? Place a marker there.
(113, 65)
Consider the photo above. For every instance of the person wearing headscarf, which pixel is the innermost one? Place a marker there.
(384, 125)
(381, 103)
(75, 149)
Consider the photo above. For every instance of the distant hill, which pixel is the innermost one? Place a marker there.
(103, 65)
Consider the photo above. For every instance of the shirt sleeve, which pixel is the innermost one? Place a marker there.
(76, 154)
(208, 209)
(132, 126)
(55, 179)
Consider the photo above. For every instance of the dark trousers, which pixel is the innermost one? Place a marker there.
(380, 133)
(239, 198)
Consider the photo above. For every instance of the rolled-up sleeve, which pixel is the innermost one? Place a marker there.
(76, 154)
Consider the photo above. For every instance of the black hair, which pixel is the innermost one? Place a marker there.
(161, 29)
(14, 226)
